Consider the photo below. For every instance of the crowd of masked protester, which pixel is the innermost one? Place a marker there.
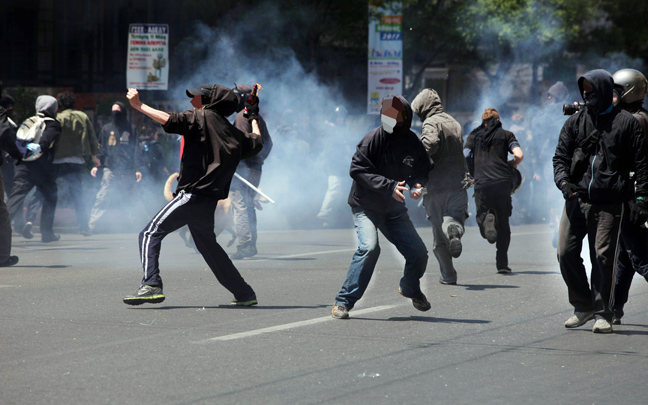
(85, 173)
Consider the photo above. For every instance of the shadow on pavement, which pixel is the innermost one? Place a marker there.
(53, 266)
(232, 307)
(422, 319)
(482, 287)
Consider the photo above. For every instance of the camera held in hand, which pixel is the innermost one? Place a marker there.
(571, 109)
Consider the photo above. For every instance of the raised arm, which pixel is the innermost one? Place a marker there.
(156, 115)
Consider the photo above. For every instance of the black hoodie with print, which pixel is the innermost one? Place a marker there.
(118, 142)
(597, 151)
(213, 147)
(382, 160)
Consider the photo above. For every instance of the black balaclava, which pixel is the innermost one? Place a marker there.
(242, 91)
(600, 98)
(120, 118)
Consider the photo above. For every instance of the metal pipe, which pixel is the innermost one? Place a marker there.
(247, 183)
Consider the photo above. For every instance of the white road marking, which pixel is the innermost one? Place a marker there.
(302, 254)
(294, 324)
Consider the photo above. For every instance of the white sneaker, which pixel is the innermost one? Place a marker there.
(602, 326)
(579, 319)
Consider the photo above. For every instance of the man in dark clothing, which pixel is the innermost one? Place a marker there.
(120, 163)
(8, 168)
(242, 196)
(446, 200)
(386, 159)
(631, 86)
(8, 145)
(212, 150)
(41, 172)
(152, 158)
(486, 150)
(597, 150)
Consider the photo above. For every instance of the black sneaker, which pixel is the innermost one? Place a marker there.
(340, 312)
(26, 231)
(504, 270)
(455, 241)
(248, 302)
(489, 228)
(145, 294)
(46, 238)
(243, 253)
(442, 281)
(420, 302)
(10, 261)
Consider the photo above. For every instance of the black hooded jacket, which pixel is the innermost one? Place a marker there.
(118, 142)
(597, 152)
(382, 160)
(490, 145)
(8, 137)
(213, 147)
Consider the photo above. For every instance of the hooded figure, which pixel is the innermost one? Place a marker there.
(119, 143)
(39, 173)
(204, 168)
(446, 200)
(558, 93)
(242, 197)
(597, 150)
(386, 159)
(8, 145)
(382, 159)
(593, 150)
(120, 162)
(212, 150)
(441, 136)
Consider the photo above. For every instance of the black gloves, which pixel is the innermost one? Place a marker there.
(252, 111)
(569, 190)
(638, 211)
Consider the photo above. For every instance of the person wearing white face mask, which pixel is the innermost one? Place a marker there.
(386, 159)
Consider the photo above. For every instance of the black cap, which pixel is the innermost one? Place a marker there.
(203, 90)
(6, 101)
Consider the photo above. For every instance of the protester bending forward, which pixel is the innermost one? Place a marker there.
(386, 159)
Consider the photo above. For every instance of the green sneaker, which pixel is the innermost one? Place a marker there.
(248, 302)
(145, 294)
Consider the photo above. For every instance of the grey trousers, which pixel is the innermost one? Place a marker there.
(445, 208)
(115, 191)
(242, 199)
(601, 224)
(5, 227)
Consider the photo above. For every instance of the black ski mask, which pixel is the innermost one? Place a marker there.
(120, 117)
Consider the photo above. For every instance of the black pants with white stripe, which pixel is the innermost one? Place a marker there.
(196, 211)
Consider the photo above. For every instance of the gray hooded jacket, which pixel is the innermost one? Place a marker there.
(441, 136)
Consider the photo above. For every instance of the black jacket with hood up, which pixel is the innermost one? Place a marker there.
(213, 147)
(382, 160)
(597, 152)
(8, 137)
(119, 144)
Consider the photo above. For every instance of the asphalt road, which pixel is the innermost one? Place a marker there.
(66, 337)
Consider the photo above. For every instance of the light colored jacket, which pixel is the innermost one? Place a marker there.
(78, 138)
(442, 138)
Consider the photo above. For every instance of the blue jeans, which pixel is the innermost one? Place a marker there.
(399, 230)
